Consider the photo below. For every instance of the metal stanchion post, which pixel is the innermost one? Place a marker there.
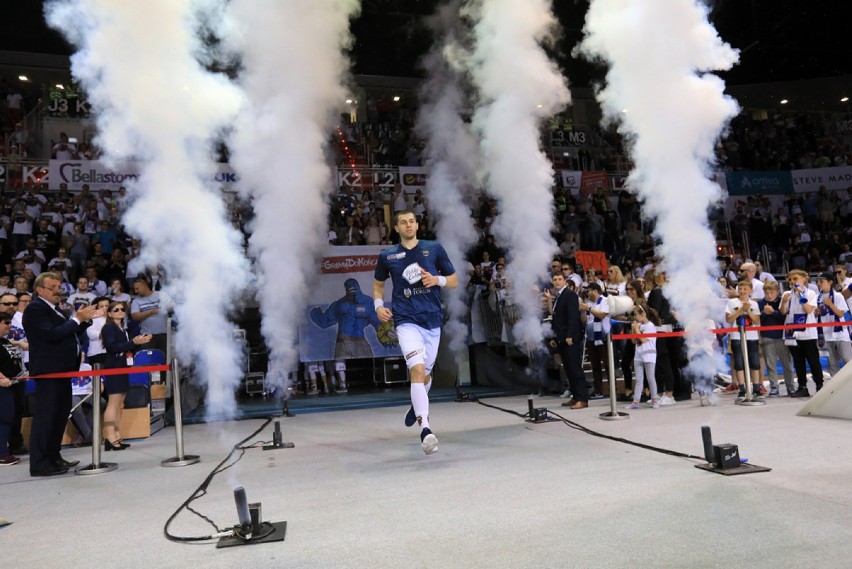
(613, 414)
(750, 398)
(96, 467)
(180, 459)
(168, 376)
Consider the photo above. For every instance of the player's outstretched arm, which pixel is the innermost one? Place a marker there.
(384, 313)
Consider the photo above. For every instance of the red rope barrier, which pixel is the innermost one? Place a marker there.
(732, 330)
(98, 372)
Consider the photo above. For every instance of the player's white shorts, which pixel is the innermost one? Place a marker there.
(418, 345)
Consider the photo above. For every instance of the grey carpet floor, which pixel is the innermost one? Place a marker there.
(357, 491)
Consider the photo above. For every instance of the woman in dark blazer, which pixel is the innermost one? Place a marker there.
(119, 352)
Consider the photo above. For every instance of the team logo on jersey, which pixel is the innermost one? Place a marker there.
(406, 292)
(412, 273)
(425, 253)
(396, 256)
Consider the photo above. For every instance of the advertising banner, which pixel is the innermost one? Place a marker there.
(834, 179)
(593, 180)
(412, 178)
(571, 180)
(340, 320)
(586, 260)
(98, 176)
(749, 183)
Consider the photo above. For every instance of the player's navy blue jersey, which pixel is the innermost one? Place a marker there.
(411, 301)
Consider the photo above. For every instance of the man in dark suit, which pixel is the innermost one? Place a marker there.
(568, 340)
(54, 348)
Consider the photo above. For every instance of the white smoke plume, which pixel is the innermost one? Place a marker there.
(672, 112)
(518, 87)
(451, 154)
(293, 70)
(155, 103)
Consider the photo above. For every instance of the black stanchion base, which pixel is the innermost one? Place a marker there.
(274, 446)
(617, 416)
(96, 468)
(742, 469)
(279, 531)
(184, 460)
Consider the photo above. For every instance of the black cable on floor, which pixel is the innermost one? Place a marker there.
(522, 416)
(202, 490)
(589, 431)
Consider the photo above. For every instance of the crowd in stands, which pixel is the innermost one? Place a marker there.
(784, 140)
(78, 235)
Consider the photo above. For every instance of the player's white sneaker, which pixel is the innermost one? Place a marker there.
(428, 441)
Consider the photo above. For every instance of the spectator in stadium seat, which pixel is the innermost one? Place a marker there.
(33, 258)
(372, 233)
(117, 268)
(781, 228)
(350, 234)
(61, 263)
(772, 341)
(14, 107)
(96, 285)
(151, 310)
(832, 307)
(761, 275)
(117, 344)
(796, 254)
(570, 275)
(615, 283)
(634, 291)
(633, 239)
(571, 224)
(594, 228)
(744, 307)
(597, 329)
(21, 284)
(669, 350)
(748, 271)
(400, 198)
(78, 251)
(64, 149)
(799, 305)
(82, 296)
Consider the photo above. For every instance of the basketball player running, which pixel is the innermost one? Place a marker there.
(417, 270)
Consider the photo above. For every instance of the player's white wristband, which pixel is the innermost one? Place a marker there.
(378, 303)
(442, 280)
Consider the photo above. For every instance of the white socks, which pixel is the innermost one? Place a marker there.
(420, 402)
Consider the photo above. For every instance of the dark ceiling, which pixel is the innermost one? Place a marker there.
(779, 40)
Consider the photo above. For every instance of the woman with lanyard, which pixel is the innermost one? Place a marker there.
(10, 368)
(616, 285)
(119, 353)
(634, 291)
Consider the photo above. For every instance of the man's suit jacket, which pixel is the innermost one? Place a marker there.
(566, 317)
(52, 338)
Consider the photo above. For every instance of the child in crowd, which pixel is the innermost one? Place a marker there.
(737, 309)
(645, 321)
(799, 306)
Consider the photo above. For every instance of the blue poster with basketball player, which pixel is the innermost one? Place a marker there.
(340, 321)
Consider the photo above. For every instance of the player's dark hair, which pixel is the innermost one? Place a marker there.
(402, 212)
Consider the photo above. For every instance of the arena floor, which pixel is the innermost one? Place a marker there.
(357, 491)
